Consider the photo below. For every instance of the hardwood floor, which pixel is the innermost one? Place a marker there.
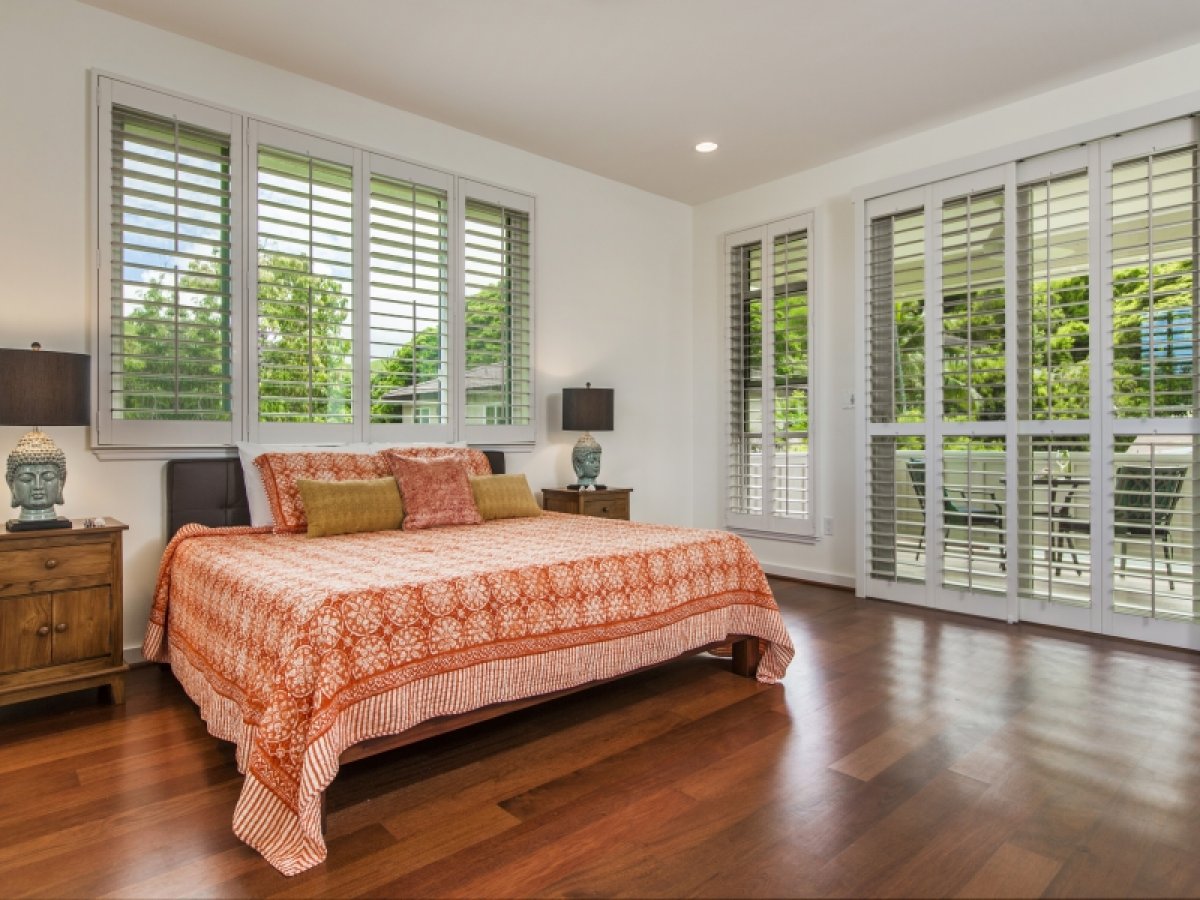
(909, 753)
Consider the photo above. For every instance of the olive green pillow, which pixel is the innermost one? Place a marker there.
(503, 496)
(347, 507)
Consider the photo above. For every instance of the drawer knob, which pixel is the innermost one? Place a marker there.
(51, 563)
(60, 627)
(604, 509)
(43, 631)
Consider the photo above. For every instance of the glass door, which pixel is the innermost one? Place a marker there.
(1057, 383)
(1152, 437)
(1032, 440)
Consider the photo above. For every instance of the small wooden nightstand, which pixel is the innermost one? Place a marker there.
(60, 612)
(610, 503)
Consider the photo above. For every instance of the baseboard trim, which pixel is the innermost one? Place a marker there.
(813, 577)
(133, 656)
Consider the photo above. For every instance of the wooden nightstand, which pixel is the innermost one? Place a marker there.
(60, 612)
(610, 503)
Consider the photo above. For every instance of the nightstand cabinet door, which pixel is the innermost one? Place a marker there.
(82, 625)
(25, 625)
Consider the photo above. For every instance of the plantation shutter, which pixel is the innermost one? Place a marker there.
(167, 348)
(1055, 365)
(1053, 296)
(895, 382)
(790, 485)
(1153, 237)
(973, 307)
(497, 375)
(409, 304)
(769, 461)
(304, 218)
(745, 473)
(1154, 233)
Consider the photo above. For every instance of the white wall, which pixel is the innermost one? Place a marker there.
(827, 191)
(613, 263)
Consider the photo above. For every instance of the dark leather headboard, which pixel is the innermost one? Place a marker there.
(212, 491)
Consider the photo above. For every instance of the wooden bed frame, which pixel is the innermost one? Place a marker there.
(212, 492)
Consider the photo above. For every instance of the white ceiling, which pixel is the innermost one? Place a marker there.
(625, 88)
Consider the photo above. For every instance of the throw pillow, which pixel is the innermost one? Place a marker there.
(475, 461)
(348, 507)
(436, 492)
(282, 471)
(503, 496)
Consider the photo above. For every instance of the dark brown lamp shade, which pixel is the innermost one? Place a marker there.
(587, 409)
(43, 387)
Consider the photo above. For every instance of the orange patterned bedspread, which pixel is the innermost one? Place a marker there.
(296, 648)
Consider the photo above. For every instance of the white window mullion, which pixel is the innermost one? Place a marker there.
(1100, 273)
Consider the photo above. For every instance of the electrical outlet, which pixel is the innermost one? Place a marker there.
(829, 525)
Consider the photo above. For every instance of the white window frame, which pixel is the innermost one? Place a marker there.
(108, 430)
(119, 439)
(765, 523)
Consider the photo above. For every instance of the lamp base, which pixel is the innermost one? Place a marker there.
(585, 459)
(37, 524)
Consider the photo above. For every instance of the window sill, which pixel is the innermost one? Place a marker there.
(106, 454)
(774, 536)
(161, 453)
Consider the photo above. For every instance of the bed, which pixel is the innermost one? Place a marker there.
(310, 652)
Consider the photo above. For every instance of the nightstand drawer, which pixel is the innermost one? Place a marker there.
(56, 561)
(606, 507)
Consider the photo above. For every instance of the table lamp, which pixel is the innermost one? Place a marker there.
(41, 387)
(587, 409)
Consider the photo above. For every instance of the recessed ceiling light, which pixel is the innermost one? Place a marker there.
(705, 147)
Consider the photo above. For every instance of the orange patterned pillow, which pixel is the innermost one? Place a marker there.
(475, 461)
(282, 472)
(436, 492)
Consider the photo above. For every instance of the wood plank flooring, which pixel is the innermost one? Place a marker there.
(909, 753)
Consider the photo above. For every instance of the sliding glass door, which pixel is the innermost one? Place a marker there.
(1032, 445)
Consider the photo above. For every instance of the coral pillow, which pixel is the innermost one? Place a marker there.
(475, 461)
(281, 473)
(503, 497)
(436, 492)
(349, 507)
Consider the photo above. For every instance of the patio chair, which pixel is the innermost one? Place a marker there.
(958, 511)
(1144, 505)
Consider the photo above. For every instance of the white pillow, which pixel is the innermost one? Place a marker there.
(256, 494)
